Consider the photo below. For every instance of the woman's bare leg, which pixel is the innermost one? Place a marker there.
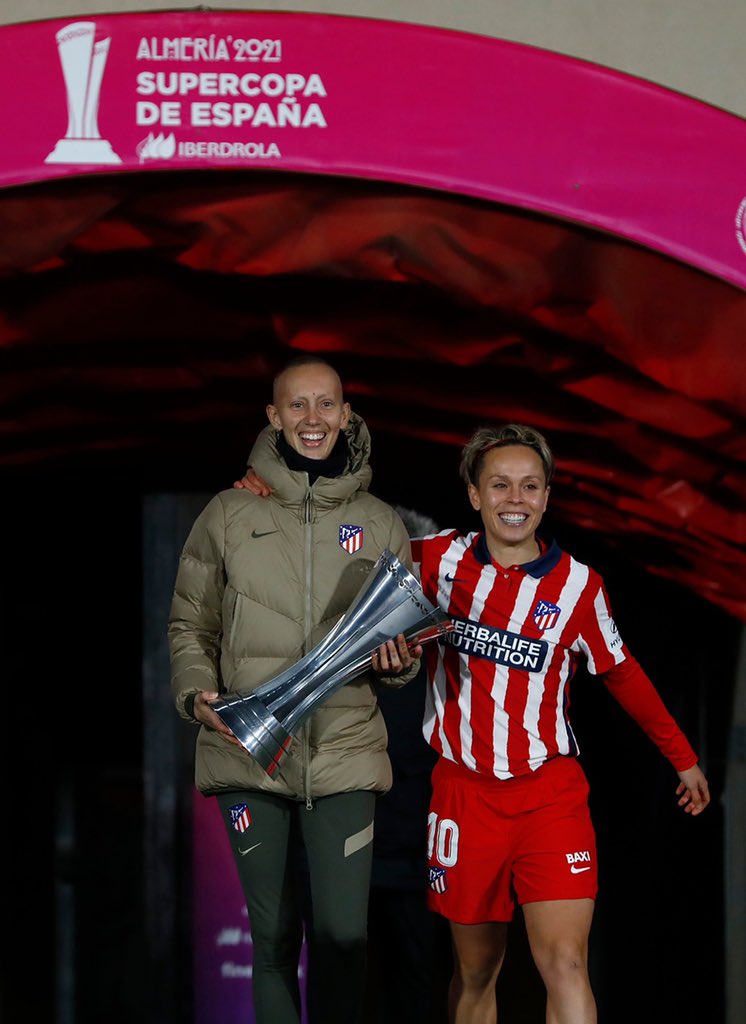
(479, 951)
(558, 933)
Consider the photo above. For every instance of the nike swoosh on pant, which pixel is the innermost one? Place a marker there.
(244, 852)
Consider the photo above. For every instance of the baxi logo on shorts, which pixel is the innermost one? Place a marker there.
(350, 538)
(579, 861)
(438, 880)
(240, 817)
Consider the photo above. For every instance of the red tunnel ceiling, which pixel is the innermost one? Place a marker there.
(146, 314)
(479, 231)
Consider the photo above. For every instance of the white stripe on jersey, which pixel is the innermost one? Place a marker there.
(607, 629)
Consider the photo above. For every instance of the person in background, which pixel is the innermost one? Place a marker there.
(509, 822)
(409, 958)
(260, 582)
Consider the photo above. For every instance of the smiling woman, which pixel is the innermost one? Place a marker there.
(508, 473)
(308, 408)
(509, 811)
(241, 614)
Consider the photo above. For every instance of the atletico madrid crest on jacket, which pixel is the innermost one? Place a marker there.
(351, 538)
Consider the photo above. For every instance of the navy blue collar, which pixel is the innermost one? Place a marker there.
(540, 566)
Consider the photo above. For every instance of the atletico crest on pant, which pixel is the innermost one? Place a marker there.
(351, 538)
(240, 817)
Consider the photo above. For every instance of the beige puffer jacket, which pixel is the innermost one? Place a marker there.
(260, 582)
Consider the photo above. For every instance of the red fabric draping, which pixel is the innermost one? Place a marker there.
(132, 310)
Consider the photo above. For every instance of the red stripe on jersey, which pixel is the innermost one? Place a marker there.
(517, 681)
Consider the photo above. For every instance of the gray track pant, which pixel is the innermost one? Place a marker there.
(296, 863)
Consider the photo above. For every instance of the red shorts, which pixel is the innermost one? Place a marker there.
(493, 843)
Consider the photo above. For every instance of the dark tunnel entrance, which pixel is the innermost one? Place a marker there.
(142, 320)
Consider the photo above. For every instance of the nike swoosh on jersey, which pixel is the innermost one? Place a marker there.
(244, 852)
(453, 579)
(577, 871)
(264, 533)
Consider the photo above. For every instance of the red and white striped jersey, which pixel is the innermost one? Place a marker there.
(498, 698)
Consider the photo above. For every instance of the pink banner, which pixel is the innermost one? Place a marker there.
(381, 100)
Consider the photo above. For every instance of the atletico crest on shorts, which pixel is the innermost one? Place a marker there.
(546, 614)
(240, 817)
(438, 879)
(351, 538)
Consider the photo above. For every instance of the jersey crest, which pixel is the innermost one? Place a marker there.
(546, 614)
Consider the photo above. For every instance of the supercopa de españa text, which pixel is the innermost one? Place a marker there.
(280, 100)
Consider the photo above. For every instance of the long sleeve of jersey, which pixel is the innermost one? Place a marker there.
(634, 691)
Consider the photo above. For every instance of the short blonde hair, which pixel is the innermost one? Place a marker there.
(485, 439)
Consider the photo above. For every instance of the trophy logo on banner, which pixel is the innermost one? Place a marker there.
(83, 62)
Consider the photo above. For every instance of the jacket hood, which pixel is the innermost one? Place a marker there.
(289, 486)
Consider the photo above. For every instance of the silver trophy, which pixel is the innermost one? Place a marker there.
(388, 603)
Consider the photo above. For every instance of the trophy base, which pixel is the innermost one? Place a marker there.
(256, 729)
(82, 151)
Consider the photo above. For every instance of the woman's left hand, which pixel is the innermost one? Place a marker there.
(693, 791)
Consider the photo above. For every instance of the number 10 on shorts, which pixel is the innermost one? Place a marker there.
(442, 840)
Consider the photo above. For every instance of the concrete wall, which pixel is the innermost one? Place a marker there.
(687, 45)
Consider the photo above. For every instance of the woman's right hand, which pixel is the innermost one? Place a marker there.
(204, 713)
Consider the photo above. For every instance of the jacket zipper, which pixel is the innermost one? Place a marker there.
(308, 537)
